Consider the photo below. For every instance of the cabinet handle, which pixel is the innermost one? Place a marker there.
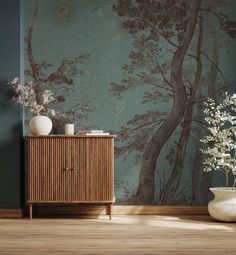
(67, 168)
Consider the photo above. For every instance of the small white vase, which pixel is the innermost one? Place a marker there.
(40, 125)
(223, 206)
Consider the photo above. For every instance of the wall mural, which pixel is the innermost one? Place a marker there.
(59, 79)
(141, 69)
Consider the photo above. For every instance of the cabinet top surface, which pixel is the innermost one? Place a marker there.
(71, 136)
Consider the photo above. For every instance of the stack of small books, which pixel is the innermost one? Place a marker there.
(93, 132)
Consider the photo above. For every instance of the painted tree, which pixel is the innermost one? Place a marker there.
(172, 183)
(221, 34)
(60, 81)
(160, 20)
(153, 24)
(212, 85)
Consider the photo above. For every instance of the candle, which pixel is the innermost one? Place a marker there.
(69, 129)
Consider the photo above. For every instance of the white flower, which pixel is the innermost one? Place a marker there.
(48, 96)
(15, 81)
(52, 112)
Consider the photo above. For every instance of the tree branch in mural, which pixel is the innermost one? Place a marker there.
(61, 80)
(200, 188)
(214, 87)
(150, 17)
(172, 184)
(161, 72)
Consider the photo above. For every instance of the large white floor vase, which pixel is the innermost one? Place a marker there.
(223, 206)
(40, 125)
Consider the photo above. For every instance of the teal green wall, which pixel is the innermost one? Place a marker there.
(10, 114)
(101, 93)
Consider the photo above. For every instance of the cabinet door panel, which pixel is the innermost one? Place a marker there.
(98, 176)
(40, 170)
(52, 176)
(72, 183)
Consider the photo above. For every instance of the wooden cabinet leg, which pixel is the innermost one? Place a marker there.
(111, 207)
(110, 211)
(30, 211)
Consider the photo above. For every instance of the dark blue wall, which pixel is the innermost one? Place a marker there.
(10, 113)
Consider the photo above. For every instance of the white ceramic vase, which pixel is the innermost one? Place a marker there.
(223, 206)
(40, 125)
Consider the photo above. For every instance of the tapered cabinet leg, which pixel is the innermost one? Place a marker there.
(30, 211)
(109, 211)
(111, 207)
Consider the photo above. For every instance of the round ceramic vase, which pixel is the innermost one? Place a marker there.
(223, 206)
(40, 125)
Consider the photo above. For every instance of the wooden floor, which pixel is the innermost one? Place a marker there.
(122, 235)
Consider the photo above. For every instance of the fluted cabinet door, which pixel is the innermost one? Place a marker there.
(96, 173)
(66, 173)
(71, 169)
(52, 176)
(40, 170)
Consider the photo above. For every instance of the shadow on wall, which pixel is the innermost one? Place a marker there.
(11, 150)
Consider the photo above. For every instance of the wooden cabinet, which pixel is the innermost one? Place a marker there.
(70, 169)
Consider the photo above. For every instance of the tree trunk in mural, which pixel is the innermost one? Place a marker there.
(172, 183)
(212, 88)
(146, 188)
(197, 162)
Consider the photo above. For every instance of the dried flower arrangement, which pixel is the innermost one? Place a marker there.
(27, 97)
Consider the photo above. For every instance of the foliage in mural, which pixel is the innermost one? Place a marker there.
(163, 58)
(175, 60)
(59, 79)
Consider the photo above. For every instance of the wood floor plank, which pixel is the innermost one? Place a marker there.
(137, 234)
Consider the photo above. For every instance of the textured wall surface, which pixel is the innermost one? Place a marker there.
(140, 69)
(10, 116)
